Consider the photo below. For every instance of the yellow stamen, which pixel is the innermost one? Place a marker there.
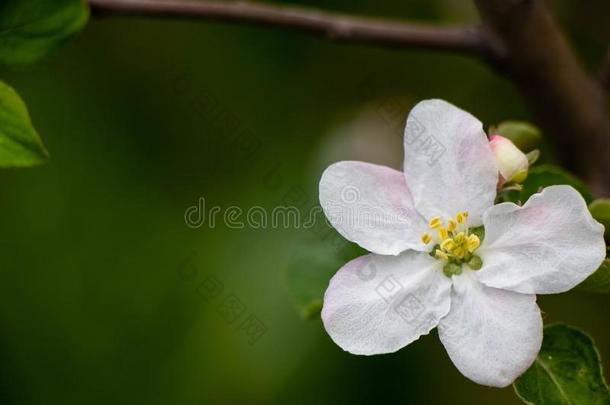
(460, 238)
(473, 242)
(461, 217)
(458, 252)
(456, 248)
(426, 238)
(435, 222)
(441, 255)
(443, 233)
(447, 245)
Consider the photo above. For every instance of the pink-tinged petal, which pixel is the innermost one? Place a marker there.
(371, 206)
(449, 166)
(379, 304)
(492, 336)
(547, 246)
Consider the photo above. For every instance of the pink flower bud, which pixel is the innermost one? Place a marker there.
(512, 163)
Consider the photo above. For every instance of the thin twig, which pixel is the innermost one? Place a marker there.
(464, 39)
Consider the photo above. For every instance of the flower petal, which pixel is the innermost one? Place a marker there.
(371, 205)
(379, 304)
(449, 166)
(548, 246)
(491, 335)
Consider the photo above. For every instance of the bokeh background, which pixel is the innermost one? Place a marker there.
(100, 277)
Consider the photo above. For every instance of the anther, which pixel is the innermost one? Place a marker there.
(443, 233)
(435, 222)
(459, 252)
(448, 245)
(460, 238)
(473, 242)
(461, 217)
(441, 255)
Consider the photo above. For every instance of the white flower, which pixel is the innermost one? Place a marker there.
(429, 268)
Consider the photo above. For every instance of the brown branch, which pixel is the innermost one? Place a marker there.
(332, 25)
(518, 37)
(604, 73)
(569, 104)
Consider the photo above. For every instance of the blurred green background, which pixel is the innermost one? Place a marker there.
(100, 298)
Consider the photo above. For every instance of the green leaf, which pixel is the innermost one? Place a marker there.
(598, 282)
(20, 145)
(309, 270)
(29, 29)
(524, 135)
(567, 371)
(600, 209)
(549, 175)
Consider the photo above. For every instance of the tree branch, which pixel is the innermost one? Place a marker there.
(569, 103)
(338, 27)
(518, 37)
(604, 72)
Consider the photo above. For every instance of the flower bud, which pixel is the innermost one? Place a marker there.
(512, 163)
(524, 135)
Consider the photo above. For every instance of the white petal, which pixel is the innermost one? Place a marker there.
(371, 205)
(449, 166)
(548, 246)
(379, 304)
(492, 336)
